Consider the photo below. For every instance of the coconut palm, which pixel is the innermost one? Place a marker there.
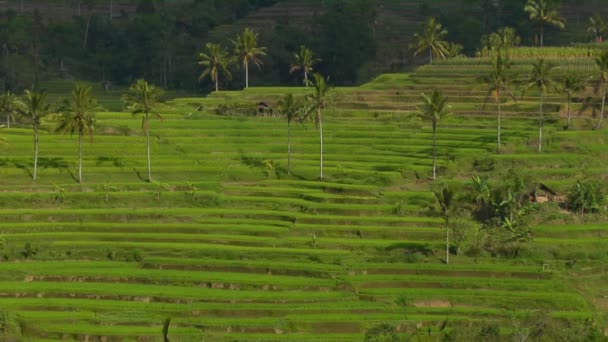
(570, 84)
(316, 102)
(543, 13)
(432, 39)
(597, 27)
(434, 108)
(498, 80)
(541, 78)
(35, 107)
(444, 201)
(501, 41)
(601, 82)
(10, 106)
(247, 50)
(290, 109)
(216, 61)
(303, 61)
(144, 98)
(79, 116)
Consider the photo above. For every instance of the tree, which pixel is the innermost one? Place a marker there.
(570, 84)
(444, 201)
(290, 109)
(216, 61)
(246, 48)
(317, 101)
(79, 116)
(586, 196)
(597, 27)
(10, 106)
(541, 78)
(304, 61)
(543, 13)
(434, 108)
(498, 80)
(431, 39)
(601, 82)
(144, 98)
(35, 108)
(500, 42)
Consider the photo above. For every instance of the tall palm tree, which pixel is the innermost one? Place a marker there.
(597, 27)
(541, 78)
(444, 200)
(601, 82)
(79, 116)
(216, 61)
(35, 107)
(290, 109)
(432, 39)
(498, 80)
(434, 108)
(304, 61)
(247, 50)
(317, 101)
(144, 98)
(570, 84)
(543, 13)
(10, 106)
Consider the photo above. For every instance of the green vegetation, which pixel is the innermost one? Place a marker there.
(376, 227)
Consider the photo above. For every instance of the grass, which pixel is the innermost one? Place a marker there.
(232, 248)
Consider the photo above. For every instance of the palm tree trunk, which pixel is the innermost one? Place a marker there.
(289, 147)
(306, 79)
(80, 158)
(86, 32)
(542, 35)
(540, 124)
(246, 75)
(434, 151)
(148, 147)
(499, 126)
(599, 123)
(217, 85)
(35, 150)
(321, 141)
(8, 120)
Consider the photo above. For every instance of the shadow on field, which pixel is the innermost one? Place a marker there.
(43, 163)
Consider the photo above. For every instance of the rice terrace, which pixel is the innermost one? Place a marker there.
(303, 170)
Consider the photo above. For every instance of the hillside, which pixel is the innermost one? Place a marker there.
(226, 246)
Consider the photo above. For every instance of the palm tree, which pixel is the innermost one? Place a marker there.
(10, 105)
(434, 108)
(246, 48)
(544, 12)
(304, 61)
(290, 109)
(498, 82)
(79, 116)
(144, 98)
(444, 199)
(597, 27)
(570, 84)
(216, 61)
(317, 101)
(541, 79)
(601, 82)
(35, 108)
(432, 39)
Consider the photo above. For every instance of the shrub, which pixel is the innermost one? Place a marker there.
(381, 333)
(586, 196)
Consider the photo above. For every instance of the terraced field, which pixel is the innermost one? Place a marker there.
(229, 247)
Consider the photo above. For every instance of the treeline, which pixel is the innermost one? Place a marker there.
(160, 41)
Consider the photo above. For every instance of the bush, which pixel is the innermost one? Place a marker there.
(381, 333)
(586, 196)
